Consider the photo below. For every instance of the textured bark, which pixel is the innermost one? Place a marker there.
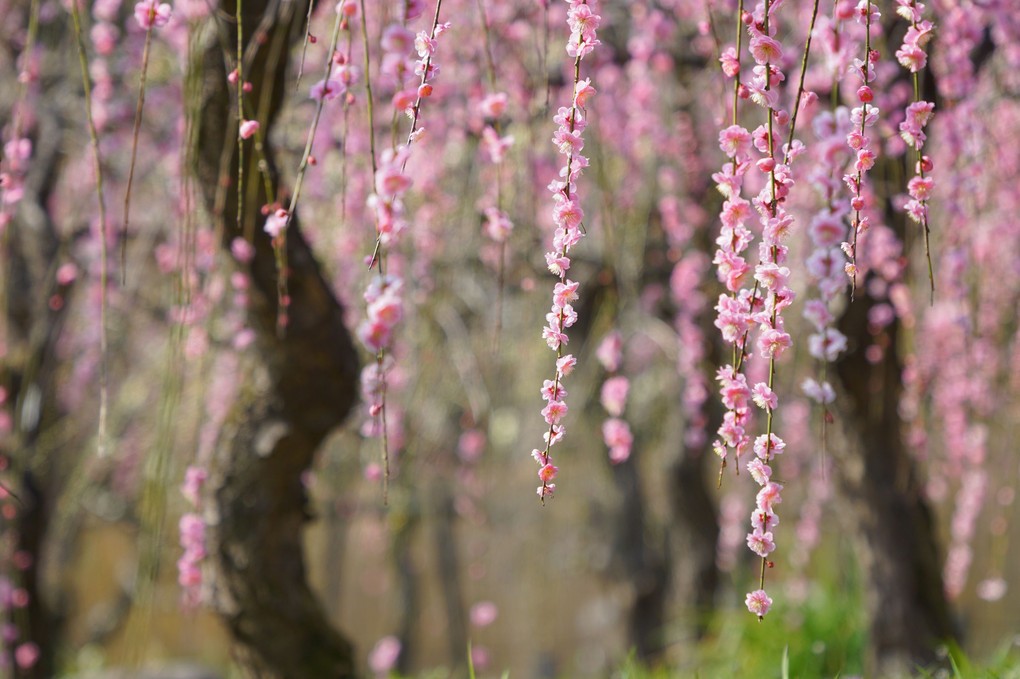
(908, 611)
(29, 374)
(448, 567)
(304, 386)
(641, 564)
(696, 535)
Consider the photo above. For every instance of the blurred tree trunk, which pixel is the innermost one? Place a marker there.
(448, 567)
(33, 322)
(640, 563)
(908, 611)
(305, 384)
(696, 533)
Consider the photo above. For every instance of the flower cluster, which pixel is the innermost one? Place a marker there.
(615, 430)
(761, 307)
(12, 179)
(384, 295)
(912, 56)
(148, 14)
(192, 529)
(863, 117)
(825, 264)
(583, 19)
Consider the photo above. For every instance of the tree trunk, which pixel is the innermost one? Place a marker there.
(908, 611)
(306, 383)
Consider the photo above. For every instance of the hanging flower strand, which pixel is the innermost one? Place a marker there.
(863, 116)
(772, 277)
(384, 295)
(583, 19)
(912, 56)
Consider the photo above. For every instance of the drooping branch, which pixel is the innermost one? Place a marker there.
(306, 382)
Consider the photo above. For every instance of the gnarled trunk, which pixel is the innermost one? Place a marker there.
(908, 611)
(305, 384)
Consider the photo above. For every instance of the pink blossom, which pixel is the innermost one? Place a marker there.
(763, 521)
(583, 93)
(730, 62)
(764, 397)
(827, 345)
(148, 14)
(761, 543)
(565, 365)
(773, 342)
(26, 655)
(548, 472)
(248, 128)
(758, 602)
(384, 654)
(610, 351)
(276, 223)
(760, 472)
(494, 105)
(497, 224)
(776, 446)
(194, 479)
(483, 614)
(327, 90)
(765, 49)
(768, 497)
(554, 412)
(614, 395)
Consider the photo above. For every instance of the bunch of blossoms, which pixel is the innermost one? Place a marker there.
(192, 529)
(771, 278)
(497, 223)
(583, 19)
(384, 295)
(17, 153)
(912, 56)
(825, 264)
(615, 430)
(862, 117)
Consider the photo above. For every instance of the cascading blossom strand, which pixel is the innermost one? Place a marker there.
(863, 117)
(583, 19)
(384, 295)
(912, 57)
(771, 279)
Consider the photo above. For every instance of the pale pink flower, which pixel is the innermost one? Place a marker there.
(614, 395)
(583, 93)
(248, 128)
(768, 497)
(327, 90)
(149, 14)
(483, 613)
(610, 351)
(760, 472)
(383, 657)
(548, 472)
(758, 602)
(764, 397)
(776, 446)
(494, 105)
(565, 365)
(276, 223)
(761, 543)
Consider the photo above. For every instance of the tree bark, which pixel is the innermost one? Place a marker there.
(908, 611)
(305, 383)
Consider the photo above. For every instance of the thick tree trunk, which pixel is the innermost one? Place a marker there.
(695, 538)
(641, 564)
(305, 385)
(32, 330)
(909, 614)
